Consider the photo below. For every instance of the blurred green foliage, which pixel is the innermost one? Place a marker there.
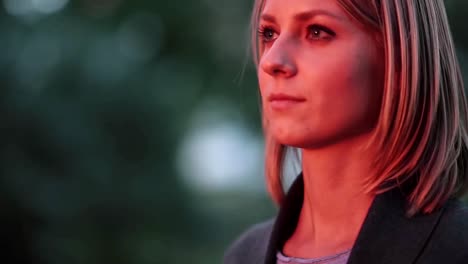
(95, 98)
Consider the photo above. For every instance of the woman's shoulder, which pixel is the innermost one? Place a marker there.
(454, 221)
(251, 245)
(449, 240)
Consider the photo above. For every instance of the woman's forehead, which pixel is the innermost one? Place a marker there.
(302, 9)
(301, 5)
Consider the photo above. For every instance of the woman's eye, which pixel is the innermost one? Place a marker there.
(314, 32)
(317, 32)
(266, 34)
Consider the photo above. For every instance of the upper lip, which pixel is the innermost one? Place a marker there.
(286, 97)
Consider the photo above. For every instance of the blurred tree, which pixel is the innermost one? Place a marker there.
(95, 97)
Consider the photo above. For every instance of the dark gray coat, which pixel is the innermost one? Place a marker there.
(387, 236)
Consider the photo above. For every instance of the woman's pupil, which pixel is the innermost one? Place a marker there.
(269, 34)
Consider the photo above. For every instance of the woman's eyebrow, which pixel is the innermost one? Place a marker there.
(303, 16)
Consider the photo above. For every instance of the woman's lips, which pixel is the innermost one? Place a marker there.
(282, 101)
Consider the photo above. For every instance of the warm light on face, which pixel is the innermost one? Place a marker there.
(320, 74)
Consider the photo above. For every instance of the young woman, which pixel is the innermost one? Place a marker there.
(371, 94)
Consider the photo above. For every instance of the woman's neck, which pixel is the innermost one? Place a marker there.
(335, 204)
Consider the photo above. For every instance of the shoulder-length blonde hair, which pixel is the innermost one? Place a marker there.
(421, 134)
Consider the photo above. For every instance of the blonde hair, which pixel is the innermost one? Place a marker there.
(421, 134)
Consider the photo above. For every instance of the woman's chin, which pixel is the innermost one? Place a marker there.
(294, 140)
(306, 141)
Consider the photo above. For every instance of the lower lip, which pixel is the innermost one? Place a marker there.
(284, 104)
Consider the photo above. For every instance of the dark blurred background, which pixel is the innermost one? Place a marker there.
(131, 130)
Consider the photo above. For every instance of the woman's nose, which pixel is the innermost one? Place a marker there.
(278, 62)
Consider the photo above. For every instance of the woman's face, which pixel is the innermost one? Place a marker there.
(320, 73)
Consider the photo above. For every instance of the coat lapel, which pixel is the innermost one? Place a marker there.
(386, 236)
(286, 220)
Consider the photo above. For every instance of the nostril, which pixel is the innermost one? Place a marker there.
(279, 68)
(276, 71)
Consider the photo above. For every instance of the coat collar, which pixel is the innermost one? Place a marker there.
(386, 236)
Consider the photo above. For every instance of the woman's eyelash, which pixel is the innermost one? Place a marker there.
(319, 28)
(263, 30)
(266, 33)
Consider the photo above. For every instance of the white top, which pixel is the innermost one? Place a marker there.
(340, 258)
